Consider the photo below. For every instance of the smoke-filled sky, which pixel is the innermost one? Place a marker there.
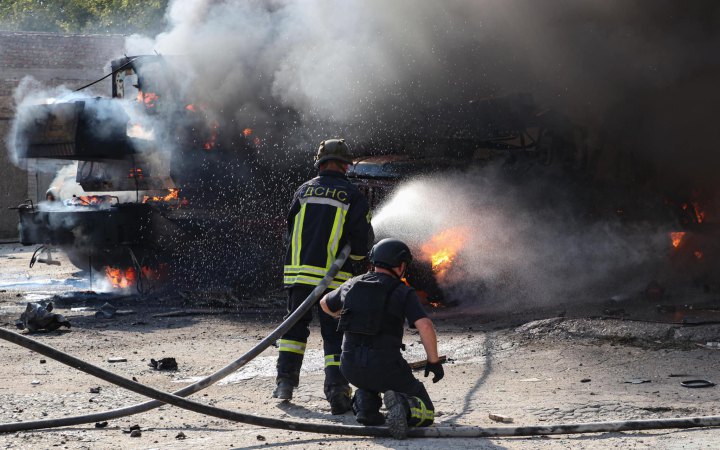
(351, 59)
(640, 75)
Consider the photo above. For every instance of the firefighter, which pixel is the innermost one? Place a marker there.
(372, 309)
(326, 213)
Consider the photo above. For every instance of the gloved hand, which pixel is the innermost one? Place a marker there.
(436, 369)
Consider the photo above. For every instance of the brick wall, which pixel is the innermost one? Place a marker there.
(54, 59)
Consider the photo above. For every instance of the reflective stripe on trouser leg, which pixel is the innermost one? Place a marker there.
(420, 415)
(332, 360)
(334, 379)
(286, 345)
(288, 367)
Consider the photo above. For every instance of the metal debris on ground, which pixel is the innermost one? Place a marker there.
(101, 424)
(95, 390)
(80, 299)
(164, 364)
(710, 345)
(500, 418)
(132, 429)
(637, 381)
(180, 436)
(38, 317)
(116, 359)
(697, 383)
(106, 311)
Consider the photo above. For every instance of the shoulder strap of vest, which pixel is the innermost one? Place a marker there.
(396, 284)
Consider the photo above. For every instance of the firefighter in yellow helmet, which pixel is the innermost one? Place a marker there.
(326, 213)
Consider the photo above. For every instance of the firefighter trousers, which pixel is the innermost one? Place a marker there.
(292, 344)
(374, 371)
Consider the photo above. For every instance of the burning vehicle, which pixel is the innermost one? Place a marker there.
(169, 191)
(548, 157)
(510, 130)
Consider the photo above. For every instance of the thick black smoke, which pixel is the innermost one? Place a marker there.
(640, 75)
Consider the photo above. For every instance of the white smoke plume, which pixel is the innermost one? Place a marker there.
(65, 187)
(32, 93)
(519, 252)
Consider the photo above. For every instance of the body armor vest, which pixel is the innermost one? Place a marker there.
(365, 309)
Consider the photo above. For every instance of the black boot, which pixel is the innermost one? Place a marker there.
(339, 398)
(288, 374)
(366, 406)
(283, 389)
(397, 413)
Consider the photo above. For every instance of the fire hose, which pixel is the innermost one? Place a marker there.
(440, 431)
(205, 382)
(161, 397)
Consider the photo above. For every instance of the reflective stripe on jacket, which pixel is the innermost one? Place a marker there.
(326, 212)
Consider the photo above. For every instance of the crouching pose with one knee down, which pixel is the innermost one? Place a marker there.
(372, 309)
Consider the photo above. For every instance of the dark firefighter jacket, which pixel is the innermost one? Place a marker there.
(326, 212)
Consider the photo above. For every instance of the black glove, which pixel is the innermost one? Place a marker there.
(436, 369)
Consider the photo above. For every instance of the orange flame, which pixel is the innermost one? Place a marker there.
(126, 278)
(676, 237)
(699, 213)
(443, 247)
(247, 132)
(194, 108)
(120, 278)
(213, 136)
(88, 200)
(423, 296)
(172, 195)
(148, 98)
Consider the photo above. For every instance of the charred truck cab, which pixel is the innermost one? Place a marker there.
(166, 182)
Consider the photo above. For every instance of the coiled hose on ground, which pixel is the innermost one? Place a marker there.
(161, 397)
(445, 431)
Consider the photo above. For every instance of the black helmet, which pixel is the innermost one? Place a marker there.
(390, 253)
(331, 149)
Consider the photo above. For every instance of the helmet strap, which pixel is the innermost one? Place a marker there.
(403, 271)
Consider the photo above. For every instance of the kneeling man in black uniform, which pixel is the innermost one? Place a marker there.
(372, 309)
